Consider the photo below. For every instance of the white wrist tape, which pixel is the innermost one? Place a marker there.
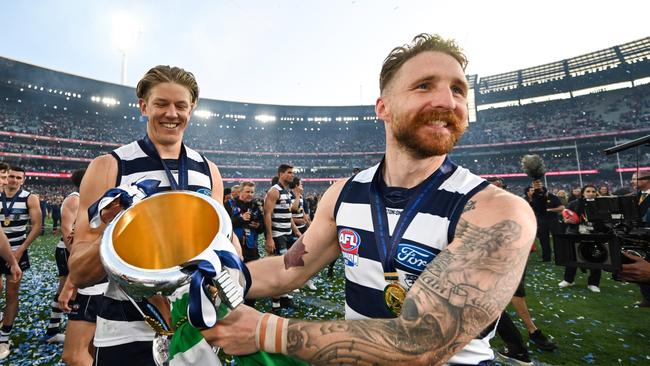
(271, 334)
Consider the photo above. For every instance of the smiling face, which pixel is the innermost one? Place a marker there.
(168, 107)
(425, 106)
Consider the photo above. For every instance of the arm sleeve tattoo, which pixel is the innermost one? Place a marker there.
(459, 294)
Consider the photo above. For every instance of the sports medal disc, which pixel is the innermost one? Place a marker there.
(394, 296)
(160, 349)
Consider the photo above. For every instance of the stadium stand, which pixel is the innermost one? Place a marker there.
(567, 111)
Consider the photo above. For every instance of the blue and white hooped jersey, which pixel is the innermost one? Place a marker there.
(19, 218)
(281, 217)
(301, 210)
(136, 161)
(119, 322)
(430, 231)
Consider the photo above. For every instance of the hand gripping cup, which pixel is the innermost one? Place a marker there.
(164, 242)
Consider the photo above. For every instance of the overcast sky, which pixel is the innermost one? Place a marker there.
(304, 52)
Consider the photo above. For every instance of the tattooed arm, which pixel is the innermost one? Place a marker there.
(458, 295)
(313, 250)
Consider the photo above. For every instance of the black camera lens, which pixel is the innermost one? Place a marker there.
(594, 252)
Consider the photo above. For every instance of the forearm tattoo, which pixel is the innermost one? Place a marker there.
(293, 256)
(459, 294)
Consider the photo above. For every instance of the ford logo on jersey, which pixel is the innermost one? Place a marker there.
(412, 257)
(349, 241)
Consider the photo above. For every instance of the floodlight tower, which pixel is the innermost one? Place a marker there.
(126, 31)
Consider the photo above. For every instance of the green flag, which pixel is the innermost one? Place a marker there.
(189, 348)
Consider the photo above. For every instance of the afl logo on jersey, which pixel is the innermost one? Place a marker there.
(349, 241)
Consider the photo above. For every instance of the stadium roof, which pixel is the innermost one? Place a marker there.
(626, 62)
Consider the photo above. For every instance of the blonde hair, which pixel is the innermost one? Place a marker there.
(167, 74)
(247, 184)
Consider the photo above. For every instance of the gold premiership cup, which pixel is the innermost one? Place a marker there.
(143, 248)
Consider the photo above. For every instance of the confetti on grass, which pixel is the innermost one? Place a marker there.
(580, 323)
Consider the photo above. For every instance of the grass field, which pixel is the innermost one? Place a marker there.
(602, 329)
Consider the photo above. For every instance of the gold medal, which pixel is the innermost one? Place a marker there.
(7, 221)
(394, 294)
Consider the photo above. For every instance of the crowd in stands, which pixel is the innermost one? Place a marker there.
(618, 110)
(233, 144)
(613, 111)
(336, 166)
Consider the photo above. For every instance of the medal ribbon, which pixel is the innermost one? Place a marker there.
(182, 183)
(386, 244)
(127, 196)
(201, 310)
(6, 211)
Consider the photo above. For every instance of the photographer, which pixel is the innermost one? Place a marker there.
(247, 222)
(578, 222)
(547, 208)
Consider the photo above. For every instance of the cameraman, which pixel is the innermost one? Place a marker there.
(639, 269)
(579, 223)
(547, 208)
(247, 223)
(641, 184)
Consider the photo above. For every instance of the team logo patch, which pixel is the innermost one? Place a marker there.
(410, 279)
(413, 258)
(349, 241)
(204, 191)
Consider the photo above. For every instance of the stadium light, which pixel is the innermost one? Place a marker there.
(126, 31)
(264, 118)
(203, 113)
(109, 102)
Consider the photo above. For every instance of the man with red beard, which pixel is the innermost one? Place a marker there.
(432, 252)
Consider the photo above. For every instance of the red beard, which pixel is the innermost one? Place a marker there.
(421, 143)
